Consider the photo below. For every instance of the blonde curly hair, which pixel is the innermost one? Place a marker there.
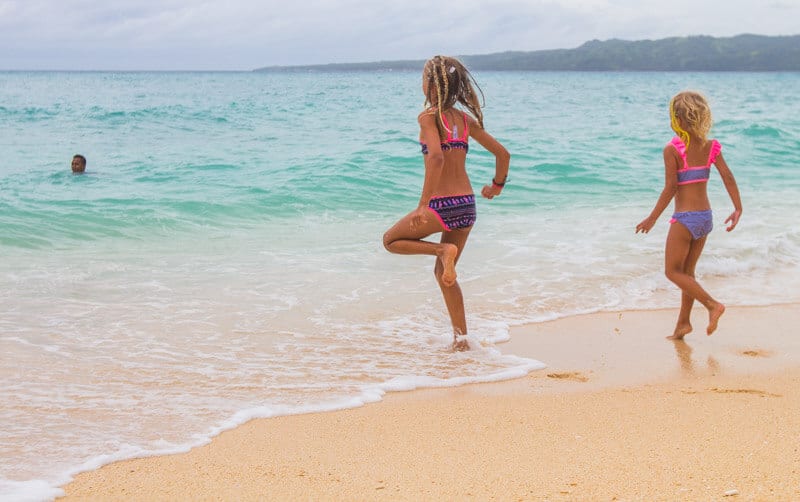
(690, 109)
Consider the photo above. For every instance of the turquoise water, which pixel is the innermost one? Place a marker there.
(222, 257)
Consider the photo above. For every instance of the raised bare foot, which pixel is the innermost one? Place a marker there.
(713, 317)
(681, 330)
(448, 257)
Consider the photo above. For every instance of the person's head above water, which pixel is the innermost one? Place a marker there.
(78, 163)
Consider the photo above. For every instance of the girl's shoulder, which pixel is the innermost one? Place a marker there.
(426, 116)
(671, 151)
(677, 144)
(472, 121)
(428, 112)
(714, 151)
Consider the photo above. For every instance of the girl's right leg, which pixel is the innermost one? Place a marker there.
(677, 256)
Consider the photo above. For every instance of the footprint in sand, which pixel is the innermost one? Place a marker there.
(744, 391)
(755, 353)
(573, 375)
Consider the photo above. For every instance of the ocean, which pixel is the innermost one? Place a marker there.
(222, 257)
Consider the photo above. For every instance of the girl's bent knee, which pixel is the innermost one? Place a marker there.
(387, 241)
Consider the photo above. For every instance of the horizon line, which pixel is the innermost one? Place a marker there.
(385, 61)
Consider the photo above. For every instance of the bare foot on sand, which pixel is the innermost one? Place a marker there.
(713, 317)
(681, 330)
(448, 257)
(460, 343)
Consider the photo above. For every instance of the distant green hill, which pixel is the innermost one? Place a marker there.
(696, 53)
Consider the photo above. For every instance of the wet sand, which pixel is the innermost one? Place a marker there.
(620, 413)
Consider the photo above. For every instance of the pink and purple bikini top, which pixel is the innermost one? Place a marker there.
(697, 174)
(454, 141)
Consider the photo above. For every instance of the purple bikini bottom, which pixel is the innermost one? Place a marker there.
(699, 223)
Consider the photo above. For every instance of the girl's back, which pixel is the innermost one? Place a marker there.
(692, 166)
(454, 179)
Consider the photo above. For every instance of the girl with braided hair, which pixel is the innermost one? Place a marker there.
(447, 203)
(690, 118)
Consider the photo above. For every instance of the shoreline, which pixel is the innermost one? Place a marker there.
(619, 412)
(624, 348)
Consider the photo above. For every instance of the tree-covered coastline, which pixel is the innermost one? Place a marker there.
(694, 53)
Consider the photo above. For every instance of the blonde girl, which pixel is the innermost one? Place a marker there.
(447, 202)
(687, 161)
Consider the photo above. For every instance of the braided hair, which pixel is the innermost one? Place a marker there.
(449, 82)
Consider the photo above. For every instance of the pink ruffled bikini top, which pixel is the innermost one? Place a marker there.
(697, 174)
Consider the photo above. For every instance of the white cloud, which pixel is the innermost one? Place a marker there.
(244, 34)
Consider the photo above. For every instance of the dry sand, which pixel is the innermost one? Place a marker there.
(619, 414)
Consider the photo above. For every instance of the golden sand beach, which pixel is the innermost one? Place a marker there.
(620, 413)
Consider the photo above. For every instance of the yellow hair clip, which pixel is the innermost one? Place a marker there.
(676, 126)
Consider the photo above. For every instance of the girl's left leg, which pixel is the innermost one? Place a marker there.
(679, 244)
(451, 291)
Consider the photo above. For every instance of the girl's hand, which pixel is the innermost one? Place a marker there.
(419, 217)
(646, 225)
(491, 191)
(733, 219)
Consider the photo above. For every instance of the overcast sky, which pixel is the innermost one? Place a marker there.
(247, 34)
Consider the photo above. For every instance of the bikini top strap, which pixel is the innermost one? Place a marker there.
(446, 126)
(453, 131)
(680, 147)
(716, 149)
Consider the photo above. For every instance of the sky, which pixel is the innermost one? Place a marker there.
(249, 34)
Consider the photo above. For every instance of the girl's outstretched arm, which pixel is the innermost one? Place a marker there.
(733, 191)
(670, 187)
(501, 156)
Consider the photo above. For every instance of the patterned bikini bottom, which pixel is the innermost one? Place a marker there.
(455, 211)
